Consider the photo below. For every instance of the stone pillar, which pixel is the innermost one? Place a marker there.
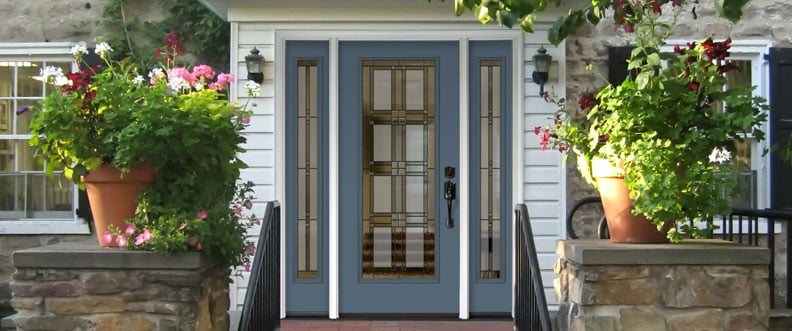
(693, 285)
(81, 286)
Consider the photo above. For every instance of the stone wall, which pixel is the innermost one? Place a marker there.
(762, 19)
(665, 287)
(81, 286)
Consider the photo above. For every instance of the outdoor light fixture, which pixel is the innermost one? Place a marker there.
(541, 68)
(253, 62)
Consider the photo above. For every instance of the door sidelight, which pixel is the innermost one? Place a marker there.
(449, 193)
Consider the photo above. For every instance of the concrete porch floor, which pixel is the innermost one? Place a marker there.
(394, 325)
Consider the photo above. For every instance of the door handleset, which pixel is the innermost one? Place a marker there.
(449, 193)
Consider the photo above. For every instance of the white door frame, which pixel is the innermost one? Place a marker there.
(463, 36)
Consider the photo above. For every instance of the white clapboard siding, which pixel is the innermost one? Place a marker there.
(260, 145)
(544, 185)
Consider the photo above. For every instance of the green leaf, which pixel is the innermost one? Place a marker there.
(459, 7)
(527, 23)
(482, 14)
(653, 59)
(643, 79)
(730, 9)
(506, 18)
(554, 35)
(593, 15)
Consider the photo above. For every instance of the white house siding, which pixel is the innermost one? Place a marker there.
(541, 177)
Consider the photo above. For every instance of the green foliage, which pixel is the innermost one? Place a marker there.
(177, 121)
(207, 35)
(670, 125)
(626, 12)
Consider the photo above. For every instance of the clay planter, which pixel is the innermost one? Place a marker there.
(623, 226)
(112, 198)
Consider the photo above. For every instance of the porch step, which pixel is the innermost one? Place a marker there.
(7, 323)
(780, 319)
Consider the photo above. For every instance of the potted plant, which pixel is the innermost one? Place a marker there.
(664, 135)
(104, 125)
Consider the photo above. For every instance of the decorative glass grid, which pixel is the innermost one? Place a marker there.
(490, 170)
(398, 169)
(308, 221)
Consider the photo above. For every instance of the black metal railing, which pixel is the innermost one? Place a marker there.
(261, 310)
(530, 305)
(745, 226)
(754, 227)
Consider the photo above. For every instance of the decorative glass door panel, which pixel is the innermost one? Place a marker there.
(398, 172)
(398, 131)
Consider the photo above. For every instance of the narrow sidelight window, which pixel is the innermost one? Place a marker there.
(308, 222)
(490, 169)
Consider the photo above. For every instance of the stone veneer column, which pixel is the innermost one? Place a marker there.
(693, 285)
(81, 286)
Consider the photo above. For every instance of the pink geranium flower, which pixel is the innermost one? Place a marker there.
(107, 237)
(130, 230)
(247, 266)
(246, 120)
(146, 235)
(201, 214)
(181, 72)
(248, 204)
(238, 210)
(122, 241)
(203, 71)
(224, 78)
(200, 247)
(192, 241)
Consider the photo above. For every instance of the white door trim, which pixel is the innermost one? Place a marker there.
(462, 36)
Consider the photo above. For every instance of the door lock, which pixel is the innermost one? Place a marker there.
(449, 193)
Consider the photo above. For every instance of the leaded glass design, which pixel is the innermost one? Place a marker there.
(308, 225)
(398, 169)
(490, 170)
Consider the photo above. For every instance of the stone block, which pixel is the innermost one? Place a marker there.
(154, 307)
(162, 292)
(167, 325)
(688, 286)
(47, 289)
(598, 273)
(44, 275)
(618, 292)
(55, 323)
(636, 319)
(172, 279)
(701, 319)
(744, 322)
(85, 305)
(594, 323)
(109, 282)
(34, 303)
(124, 322)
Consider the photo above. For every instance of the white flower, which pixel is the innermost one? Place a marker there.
(50, 71)
(720, 155)
(156, 73)
(178, 84)
(61, 81)
(253, 88)
(198, 86)
(79, 49)
(102, 48)
(138, 79)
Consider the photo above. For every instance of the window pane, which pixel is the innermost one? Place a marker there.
(27, 86)
(6, 79)
(308, 216)
(26, 156)
(490, 189)
(23, 120)
(6, 155)
(6, 116)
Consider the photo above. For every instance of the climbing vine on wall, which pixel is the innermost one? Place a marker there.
(206, 35)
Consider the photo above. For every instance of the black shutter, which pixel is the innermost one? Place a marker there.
(617, 64)
(780, 126)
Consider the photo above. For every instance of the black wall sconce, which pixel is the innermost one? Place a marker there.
(541, 68)
(254, 61)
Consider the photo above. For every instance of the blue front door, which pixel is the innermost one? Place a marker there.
(399, 146)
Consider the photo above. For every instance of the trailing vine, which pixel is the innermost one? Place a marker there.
(205, 34)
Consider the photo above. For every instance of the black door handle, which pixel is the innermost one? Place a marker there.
(449, 193)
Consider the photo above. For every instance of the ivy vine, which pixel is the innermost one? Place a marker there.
(206, 35)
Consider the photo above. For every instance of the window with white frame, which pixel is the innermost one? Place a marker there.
(30, 201)
(749, 155)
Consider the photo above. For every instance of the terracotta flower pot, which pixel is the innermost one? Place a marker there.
(113, 198)
(623, 226)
